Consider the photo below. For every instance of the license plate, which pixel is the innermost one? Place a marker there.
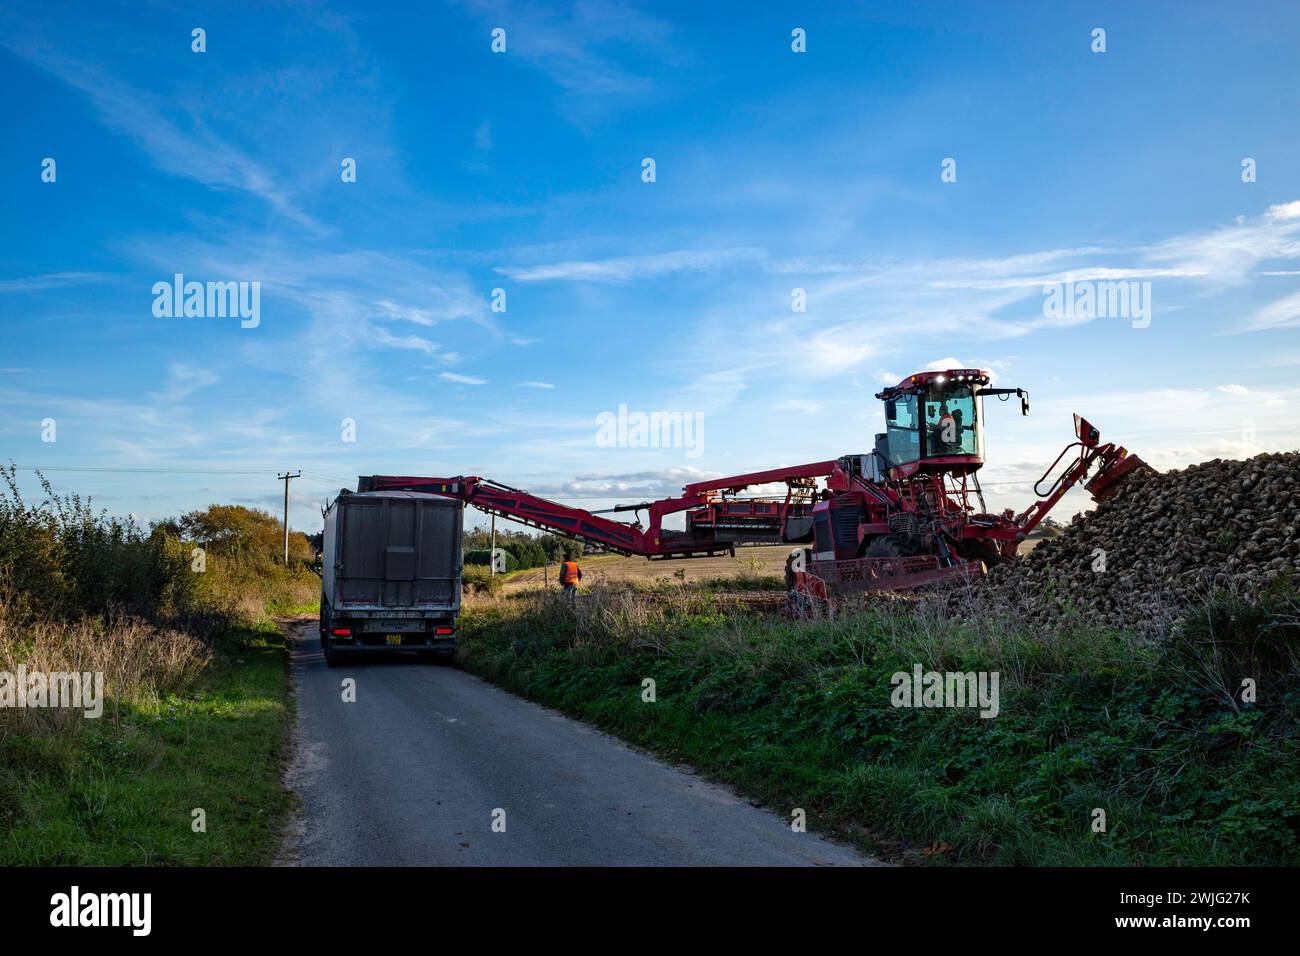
(393, 638)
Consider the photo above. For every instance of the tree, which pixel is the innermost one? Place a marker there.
(241, 532)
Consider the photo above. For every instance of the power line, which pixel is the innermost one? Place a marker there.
(145, 471)
(170, 471)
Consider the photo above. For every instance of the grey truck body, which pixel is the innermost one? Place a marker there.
(390, 573)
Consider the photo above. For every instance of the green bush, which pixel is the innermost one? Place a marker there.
(61, 558)
(477, 577)
(482, 557)
(522, 550)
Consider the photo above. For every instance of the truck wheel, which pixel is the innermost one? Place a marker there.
(333, 656)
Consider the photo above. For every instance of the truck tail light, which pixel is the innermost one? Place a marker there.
(341, 632)
(444, 631)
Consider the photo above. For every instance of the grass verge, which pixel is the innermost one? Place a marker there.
(122, 791)
(798, 714)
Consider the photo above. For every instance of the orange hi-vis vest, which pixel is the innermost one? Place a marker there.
(569, 573)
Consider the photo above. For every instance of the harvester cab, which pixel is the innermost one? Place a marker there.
(934, 423)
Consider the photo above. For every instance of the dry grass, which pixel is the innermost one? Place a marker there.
(140, 661)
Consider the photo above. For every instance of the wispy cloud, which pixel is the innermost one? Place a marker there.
(184, 379)
(412, 342)
(589, 51)
(1283, 313)
(51, 280)
(176, 140)
(627, 268)
(462, 379)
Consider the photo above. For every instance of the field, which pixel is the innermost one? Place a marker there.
(763, 561)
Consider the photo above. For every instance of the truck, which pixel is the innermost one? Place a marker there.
(390, 569)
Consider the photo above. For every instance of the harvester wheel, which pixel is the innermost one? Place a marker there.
(789, 567)
(804, 606)
(884, 546)
(986, 551)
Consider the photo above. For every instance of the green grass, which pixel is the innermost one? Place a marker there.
(798, 714)
(121, 792)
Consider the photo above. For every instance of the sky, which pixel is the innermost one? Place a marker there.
(924, 175)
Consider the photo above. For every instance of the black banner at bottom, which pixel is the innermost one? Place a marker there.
(335, 905)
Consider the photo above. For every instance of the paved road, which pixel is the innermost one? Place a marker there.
(412, 772)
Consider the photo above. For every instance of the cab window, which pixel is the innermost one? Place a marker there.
(902, 427)
(951, 426)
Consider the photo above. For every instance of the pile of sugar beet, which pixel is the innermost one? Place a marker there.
(1154, 550)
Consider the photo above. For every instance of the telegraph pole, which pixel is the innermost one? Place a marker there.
(286, 477)
(492, 551)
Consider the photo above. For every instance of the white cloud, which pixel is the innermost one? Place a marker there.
(943, 364)
(583, 50)
(1284, 211)
(183, 379)
(413, 342)
(462, 379)
(404, 313)
(1283, 313)
(625, 268)
(655, 483)
(50, 280)
(535, 385)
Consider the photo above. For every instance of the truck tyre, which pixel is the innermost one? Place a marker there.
(333, 656)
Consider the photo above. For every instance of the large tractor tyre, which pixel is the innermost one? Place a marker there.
(988, 552)
(884, 546)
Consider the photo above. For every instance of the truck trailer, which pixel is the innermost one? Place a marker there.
(390, 572)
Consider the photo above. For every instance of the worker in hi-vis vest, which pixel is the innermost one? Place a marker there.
(570, 575)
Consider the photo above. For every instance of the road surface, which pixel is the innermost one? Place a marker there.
(416, 770)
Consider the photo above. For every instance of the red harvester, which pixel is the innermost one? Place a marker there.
(908, 513)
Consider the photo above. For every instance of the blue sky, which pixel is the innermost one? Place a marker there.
(522, 170)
